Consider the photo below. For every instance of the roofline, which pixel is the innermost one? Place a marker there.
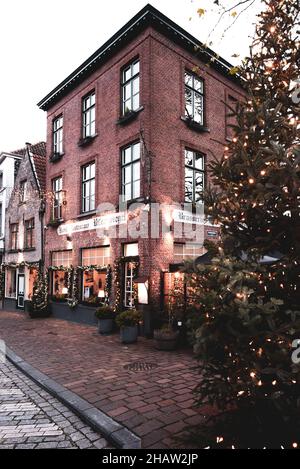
(5, 154)
(147, 16)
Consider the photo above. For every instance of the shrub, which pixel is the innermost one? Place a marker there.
(105, 312)
(129, 318)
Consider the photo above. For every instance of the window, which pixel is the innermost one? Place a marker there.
(194, 176)
(23, 190)
(186, 251)
(131, 87)
(14, 228)
(88, 188)
(194, 98)
(89, 115)
(29, 234)
(94, 280)
(131, 172)
(131, 249)
(96, 256)
(57, 198)
(11, 283)
(1, 180)
(129, 285)
(58, 135)
(60, 277)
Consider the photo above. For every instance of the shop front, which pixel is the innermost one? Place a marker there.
(18, 286)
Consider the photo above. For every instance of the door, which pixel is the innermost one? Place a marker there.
(21, 291)
(129, 287)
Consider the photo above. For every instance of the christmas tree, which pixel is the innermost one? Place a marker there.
(252, 307)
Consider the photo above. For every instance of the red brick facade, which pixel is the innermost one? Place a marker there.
(162, 97)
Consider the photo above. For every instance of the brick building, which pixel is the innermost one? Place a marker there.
(140, 118)
(24, 228)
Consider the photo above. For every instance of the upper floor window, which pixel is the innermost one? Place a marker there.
(194, 98)
(14, 229)
(88, 188)
(57, 198)
(29, 234)
(89, 115)
(131, 87)
(131, 172)
(183, 252)
(58, 135)
(194, 176)
(23, 190)
(1, 180)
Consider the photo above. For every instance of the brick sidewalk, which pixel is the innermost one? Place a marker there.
(156, 405)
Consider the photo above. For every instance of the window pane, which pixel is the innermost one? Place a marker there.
(136, 85)
(127, 175)
(136, 151)
(131, 249)
(189, 157)
(198, 111)
(135, 102)
(136, 68)
(188, 79)
(189, 185)
(127, 74)
(127, 92)
(127, 155)
(136, 189)
(199, 161)
(188, 102)
(136, 171)
(198, 85)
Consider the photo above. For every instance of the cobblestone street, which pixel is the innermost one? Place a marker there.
(156, 404)
(30, 418)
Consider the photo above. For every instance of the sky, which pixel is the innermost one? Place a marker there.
(41, 42)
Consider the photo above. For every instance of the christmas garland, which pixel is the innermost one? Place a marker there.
(40, 292)
(73, 278)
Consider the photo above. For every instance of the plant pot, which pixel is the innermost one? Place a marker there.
(105, 326)
(128, 334)
(166, 341)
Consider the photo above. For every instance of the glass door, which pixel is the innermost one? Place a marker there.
(129, 287)
(21, 291)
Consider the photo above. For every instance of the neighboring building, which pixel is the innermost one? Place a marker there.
(142, 117)
(9, 164)
(25, 228)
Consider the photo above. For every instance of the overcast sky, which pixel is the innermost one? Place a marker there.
(42, 41)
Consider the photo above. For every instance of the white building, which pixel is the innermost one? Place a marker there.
(9, 163)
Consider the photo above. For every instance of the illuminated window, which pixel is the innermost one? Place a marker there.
(11, 283)
(131, 249)
(60, 277)
(183, 252)
(94, 280)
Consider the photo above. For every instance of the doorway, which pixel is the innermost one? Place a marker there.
(21, 291)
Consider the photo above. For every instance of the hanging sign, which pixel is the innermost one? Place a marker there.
(182, 216)
(105, 221)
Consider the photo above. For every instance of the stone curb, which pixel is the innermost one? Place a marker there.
(115, 433)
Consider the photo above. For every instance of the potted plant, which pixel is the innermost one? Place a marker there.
(105, 315)
(128, 322)
(166, 338)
